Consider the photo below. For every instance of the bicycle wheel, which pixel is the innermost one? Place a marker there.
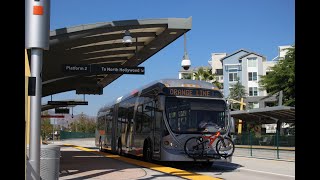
(225, 147)
(193, 147)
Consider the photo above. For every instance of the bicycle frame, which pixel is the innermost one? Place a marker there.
(211, 138)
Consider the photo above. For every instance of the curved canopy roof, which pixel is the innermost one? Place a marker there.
(267, 115)
(101, 43)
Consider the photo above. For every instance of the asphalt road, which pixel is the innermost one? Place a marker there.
(244, 168)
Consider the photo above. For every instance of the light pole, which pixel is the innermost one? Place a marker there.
(185, 63)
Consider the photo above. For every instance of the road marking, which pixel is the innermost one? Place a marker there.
(156, 167)
(255, 170)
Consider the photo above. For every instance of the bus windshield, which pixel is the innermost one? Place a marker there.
(192, 115)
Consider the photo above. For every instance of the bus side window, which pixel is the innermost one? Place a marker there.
(147, 117)
(139, 119)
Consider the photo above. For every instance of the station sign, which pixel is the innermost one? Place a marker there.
(89, 90)
(100, 69)
(61, 110)
(66, 103)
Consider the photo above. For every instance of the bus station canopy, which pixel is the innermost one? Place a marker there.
(101, 43)
(268, 115)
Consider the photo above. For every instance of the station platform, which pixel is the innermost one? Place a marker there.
(82, 160)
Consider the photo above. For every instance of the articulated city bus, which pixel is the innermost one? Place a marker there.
(155, 121)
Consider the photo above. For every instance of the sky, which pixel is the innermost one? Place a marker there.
(218, 26)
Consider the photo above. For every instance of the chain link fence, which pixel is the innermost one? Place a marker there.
(72, 135)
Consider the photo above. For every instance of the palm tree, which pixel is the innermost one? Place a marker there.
(199, 74)
(205, 74)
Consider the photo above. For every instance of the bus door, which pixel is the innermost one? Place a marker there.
(156, 132)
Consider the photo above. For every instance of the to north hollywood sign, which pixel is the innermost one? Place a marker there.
(67, 103)
(100, 69)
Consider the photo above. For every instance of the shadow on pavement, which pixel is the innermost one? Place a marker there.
(84, 165)
(77, 164)
(216, 167)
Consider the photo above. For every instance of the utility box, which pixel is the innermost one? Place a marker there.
(49, 162)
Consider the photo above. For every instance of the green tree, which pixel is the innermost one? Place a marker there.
(83, 124)
(205, 74)
(282, 78)
(237, 92)
(46, 127)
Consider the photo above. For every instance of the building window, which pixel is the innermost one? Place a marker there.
(253, 91)
(252, 76)
(252, 62)
(233, 67)
(233, 76)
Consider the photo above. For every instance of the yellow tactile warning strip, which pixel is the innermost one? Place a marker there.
(156, 167)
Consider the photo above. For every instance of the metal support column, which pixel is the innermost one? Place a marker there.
(240, 121)
(278, 137)
(280, 98)
(35, 115)
(37, 29)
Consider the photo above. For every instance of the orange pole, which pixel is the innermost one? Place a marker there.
(240, 121)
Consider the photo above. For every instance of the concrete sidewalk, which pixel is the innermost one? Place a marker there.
(84, 162)
(77, 164)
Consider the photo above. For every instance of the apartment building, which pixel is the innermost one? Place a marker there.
(216, 66)
(246, 65)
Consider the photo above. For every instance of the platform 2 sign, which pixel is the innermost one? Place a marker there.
(100, 69)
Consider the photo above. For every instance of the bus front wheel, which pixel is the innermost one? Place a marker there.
(119, 148)
(100, 146)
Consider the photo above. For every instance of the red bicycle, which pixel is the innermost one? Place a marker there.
(202, 146)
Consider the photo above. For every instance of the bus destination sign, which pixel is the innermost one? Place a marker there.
(193, 92)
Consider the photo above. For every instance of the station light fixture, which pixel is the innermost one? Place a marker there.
(127, 39)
